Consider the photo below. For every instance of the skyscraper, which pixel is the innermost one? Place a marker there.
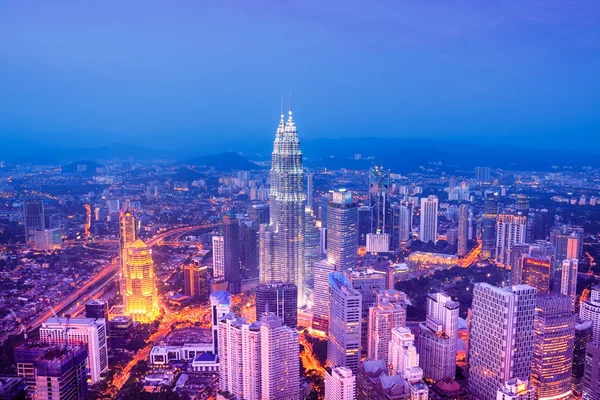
(404, 213)
(553, 341)
(343, 347)
(60, 374)
(501, 350)
(220, 306)
(510, 230)
(280, 299)
(483, 174)
(232, 256)
(140, 296)
(195, 281)
(282, 242)
(583, 335)
(589, 310)
(568, 282)
(438, 336)
(127, 235)
(389, 312)
(379, 199)
(340, 384)
(309, 189)
(33, 218)
(342, 230)
(364, 224)
(259, 213)
(312, 246)
(488, 224)
(249, 249)
(463, 229)
(537, 273)
(404, 360)
(567, 241)
(218, 257)
(429, 218)
(322, 270)
(591, 379)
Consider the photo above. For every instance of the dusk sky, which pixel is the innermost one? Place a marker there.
(192, 73)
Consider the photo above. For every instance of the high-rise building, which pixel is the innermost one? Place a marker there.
(47, 239)
(516, 389)
(312, 246)
(404, 213)
(89, 331)
(33, 218)
(379, 200)
(429, 219)
(25, 355)
(282, 242)
(232, 256)
(322, 270)
(488, 224)
(404, 360)
(195, 281)
(364, 224)
(310, 188)
(340, 384)
(537, 273)
(96, 308)
(553, 342)
(127, 235)
(220, 304)
(345, 310)
(120, 331)
(518, 252)
(567, 241)
(389, 312)
(378, 242)
(279, 354)
(60, 373)
(438, 336)
(218, 257)
(259, 213)
(510, 230)
(591, 379)
(249, 250)
(280, 299)
(502, 350)
(568, 282)
(583, 335)
(463, 230)
(483, 174)
(589, 310)
(342, 230)
(140, 296)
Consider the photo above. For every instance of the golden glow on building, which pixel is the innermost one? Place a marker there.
(140, 296)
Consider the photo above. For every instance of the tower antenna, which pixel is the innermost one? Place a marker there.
(281, 106)
(290, 103)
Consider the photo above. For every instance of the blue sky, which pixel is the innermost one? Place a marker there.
(210, 73)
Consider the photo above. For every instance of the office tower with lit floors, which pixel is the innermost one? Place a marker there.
(127, 235)
(589, 310)
(568, 282)
(340, 384)
(140, 296)
(463, 230)
(501, 337)
(344, 340)
(322, 269)
(510, 230)
(389, 312)
(33, 218)
(403, 359)
(553, 342)
(312, 246)
(429, 219)
(488, 225)
(583, 336)
(282, 241)
(280, 299)
(591, 378)
(220, 306)
(567, 241)
(537, 272)
(218, 258)
(438, 337)
(342, 231)
(379, 200)
(195, 281)
(232, 256)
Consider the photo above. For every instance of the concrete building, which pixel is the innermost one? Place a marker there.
(342, 230)
(218, 257)
(280, 299)
(583, 336)
(463, 230)
(510, 230)
(589, 310)
(195, 281)
(322, 270)
(220, 304)
(568, 282)
(488, 224)
(340, 384)
(389, 312)
(60, 373)
(429, 219)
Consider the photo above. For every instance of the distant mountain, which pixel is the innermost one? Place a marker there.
(228, 161)
(82, 167)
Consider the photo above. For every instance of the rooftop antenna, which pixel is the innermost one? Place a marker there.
(290, 103)
(281, 106)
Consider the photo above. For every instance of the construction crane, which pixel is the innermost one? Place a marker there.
(65, 327)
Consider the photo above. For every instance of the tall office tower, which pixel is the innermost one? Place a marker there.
(280, 299)
(312, 246)
(589, 310)
(25, 355)
(310, 188)
(463, 229)
(516, 389)
(510, 230)
(322, 270)
(567, 241)
(279, 354)
(259, 213)
(379, 199)
(488, 224)
(404, 224)
(322, 208)
(249, 250)
(88, 331)
(282, 242)
(340, 384)
(33, 218)
(342, 231)
(218, 257)
(369, 284)
(483, 174)
(195, 281)
(438, 337)
(127, 235)
(584, 331)
(591, 379)
(220, 304)
(553, 342)
(404, 360)
(60, 373)
(364, 224)
(429, 219)
(568, 282)
(345, 310)
(389, 312)
(537, 273)
(522, 203)
(518, 252)
(502, 350)
(240, 357)
(96, 308)
(140, 296)
(232, 256)
(378, 242)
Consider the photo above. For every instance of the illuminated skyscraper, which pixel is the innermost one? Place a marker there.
(282, 242)
(553, 341)
(33, 218)
(429, 219)
(502, 350)
(218, 257)
(232, 255)
(510, 230)
(583, 335)
(568, 282)
(404, 360)
(312, 246)
(127, 235)
(280, 299)
(342, 231)
(322, 270)
(379, 200)
(536, 273)
(488, 224)
(567, 241)
(140, 297)
(463, 229)
(389, 312)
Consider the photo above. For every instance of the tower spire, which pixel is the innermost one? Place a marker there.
(290, 103)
